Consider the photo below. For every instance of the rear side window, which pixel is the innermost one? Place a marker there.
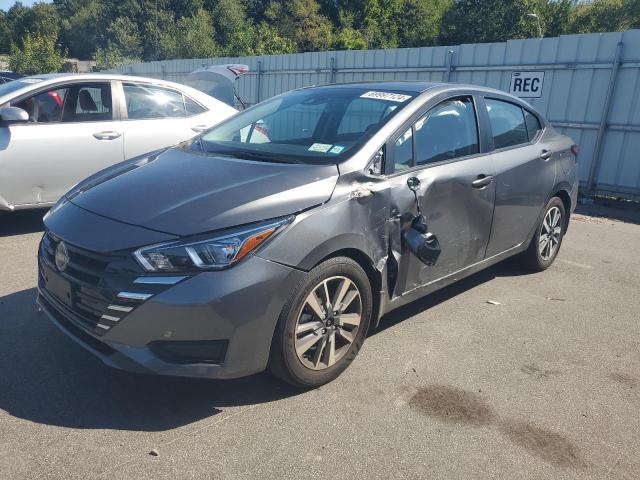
(148, 102)
(192, 107)
(532, 123)
(507, 123)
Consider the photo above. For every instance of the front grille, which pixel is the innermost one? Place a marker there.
(91, 293)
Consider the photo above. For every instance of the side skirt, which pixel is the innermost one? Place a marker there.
(447, 280)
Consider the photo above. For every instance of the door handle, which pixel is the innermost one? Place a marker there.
(107, 135)
(482, 181)
(199, 128)
(545, 155)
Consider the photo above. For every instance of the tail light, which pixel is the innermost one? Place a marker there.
(575, 150)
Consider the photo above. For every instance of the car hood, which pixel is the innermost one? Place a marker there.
(184, 193)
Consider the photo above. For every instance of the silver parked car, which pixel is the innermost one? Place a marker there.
(281, 236)
(57, 129)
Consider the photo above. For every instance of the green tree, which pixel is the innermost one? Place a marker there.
(422, 27)
(190, 37)
(111, 57)
(302, 22)
(605, 16)
(5, 33)
(38, 54)
(233, 31)
(266, 40)
(473, 21)
(81, 26)
(124, 37)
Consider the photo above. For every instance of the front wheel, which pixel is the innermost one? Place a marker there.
(323, 325)
(546, 242)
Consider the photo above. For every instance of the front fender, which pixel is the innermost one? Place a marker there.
(320, 232)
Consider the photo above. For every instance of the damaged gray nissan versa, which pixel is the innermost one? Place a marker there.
(278, 238)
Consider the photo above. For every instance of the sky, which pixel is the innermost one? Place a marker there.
(7, 4)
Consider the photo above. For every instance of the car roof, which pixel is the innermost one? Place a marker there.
(95, 76)
(400, 86)
(52, 78)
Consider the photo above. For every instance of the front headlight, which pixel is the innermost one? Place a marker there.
(211, 253)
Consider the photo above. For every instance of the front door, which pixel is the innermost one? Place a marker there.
(456, 194)
(70, 136)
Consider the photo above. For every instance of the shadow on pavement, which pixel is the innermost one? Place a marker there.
(46, 378)
(507, 268)
(21, 222)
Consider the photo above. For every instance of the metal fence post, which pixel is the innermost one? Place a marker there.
(333, 70)
(163, 68)
(258, 81)
(450, 54)
(597, 151)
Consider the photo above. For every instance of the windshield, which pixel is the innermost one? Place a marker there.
(10, 87)
(317, 125)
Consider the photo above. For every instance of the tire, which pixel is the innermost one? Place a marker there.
(545, 244)
(301, 351)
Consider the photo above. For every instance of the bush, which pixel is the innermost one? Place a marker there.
(38, 54)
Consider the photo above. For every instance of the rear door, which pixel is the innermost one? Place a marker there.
(71, 134)
(156, 117)
(444, 150)
(525, 172)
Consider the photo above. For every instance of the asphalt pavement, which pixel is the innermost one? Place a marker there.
(505, 375)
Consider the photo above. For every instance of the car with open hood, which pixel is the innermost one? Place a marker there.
(281, 236)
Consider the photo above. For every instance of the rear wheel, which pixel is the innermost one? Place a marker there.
(546, 242)
(323, 325)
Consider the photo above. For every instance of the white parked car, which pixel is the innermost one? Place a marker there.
(58, 129)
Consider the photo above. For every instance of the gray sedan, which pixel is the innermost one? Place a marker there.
(280, 237)
(56, 130)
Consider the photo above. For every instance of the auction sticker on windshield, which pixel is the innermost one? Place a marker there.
(391, 97)
(320, 147)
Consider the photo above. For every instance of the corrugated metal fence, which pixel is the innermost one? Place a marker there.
(590, 92)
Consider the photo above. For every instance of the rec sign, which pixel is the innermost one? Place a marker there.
(526, 84)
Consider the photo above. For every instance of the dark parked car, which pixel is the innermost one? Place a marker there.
(6, 76)
(281, 236)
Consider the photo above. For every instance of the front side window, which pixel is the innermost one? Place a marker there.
(316, 125)
(149, 102)
(403, 152)
(507, 123)
(447, 131)
(73, 103)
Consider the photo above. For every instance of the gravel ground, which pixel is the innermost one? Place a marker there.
(542, 383)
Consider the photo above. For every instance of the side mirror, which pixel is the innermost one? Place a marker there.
(13, 115)
(425, 246)
(413, 183)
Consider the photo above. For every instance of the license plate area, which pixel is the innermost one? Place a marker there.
(58, 286)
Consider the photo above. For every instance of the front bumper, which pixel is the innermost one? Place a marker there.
(239, 306)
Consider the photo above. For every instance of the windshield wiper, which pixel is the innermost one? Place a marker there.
(249, 155)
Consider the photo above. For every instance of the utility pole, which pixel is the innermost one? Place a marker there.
(537, 17)
(156, 29)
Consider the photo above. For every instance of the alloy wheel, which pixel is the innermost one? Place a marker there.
(550, 232)
(328, 322)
